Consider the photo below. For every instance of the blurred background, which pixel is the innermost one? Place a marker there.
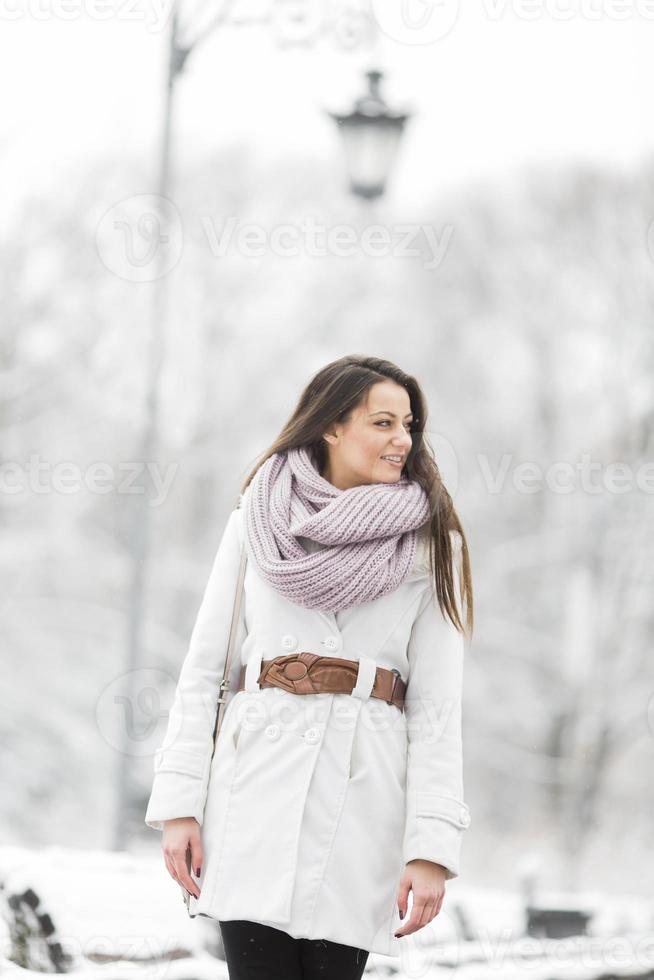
(203, 204)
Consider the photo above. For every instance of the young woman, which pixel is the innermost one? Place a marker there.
(335, 789)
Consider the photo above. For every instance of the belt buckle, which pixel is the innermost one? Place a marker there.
(278, 665)
(395, 671)
(275, 672)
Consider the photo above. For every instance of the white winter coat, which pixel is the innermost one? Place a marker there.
(313, 803)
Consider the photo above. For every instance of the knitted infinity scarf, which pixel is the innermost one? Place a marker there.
(371, 530)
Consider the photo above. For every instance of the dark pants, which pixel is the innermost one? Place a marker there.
(257, 952)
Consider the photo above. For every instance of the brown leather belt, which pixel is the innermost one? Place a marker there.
(311, 673)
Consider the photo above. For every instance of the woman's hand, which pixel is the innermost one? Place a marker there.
(177, 836)
(427, 881)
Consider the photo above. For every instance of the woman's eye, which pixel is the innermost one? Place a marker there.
(387, 421)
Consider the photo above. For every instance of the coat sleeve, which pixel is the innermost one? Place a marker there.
(182, 764)
(436, 814)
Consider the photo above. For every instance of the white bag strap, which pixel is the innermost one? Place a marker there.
(230, 645)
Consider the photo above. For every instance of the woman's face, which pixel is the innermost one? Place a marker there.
(357, 449)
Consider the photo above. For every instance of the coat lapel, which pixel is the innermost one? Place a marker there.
(329, 618)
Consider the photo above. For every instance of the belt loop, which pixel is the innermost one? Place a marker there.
(365, 677)
(253, 669)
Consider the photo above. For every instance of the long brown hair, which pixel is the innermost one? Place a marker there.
(331, 396)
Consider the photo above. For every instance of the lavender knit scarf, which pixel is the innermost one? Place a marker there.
(371, 530)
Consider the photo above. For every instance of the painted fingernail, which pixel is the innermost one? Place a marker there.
(401, 914)
(197, 871)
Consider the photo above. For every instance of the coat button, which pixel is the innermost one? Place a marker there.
(332, 643)
(312, 735)
(273, 732)
(289, 642)
(465, 816)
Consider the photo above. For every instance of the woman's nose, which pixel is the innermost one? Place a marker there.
(403, 440)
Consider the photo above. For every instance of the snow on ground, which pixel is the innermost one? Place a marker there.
(121, 916)
(103, 903)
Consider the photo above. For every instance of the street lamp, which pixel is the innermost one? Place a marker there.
(371, 135)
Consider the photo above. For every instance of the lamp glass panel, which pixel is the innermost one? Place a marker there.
(370, 149)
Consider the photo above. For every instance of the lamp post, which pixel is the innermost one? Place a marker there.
(371, 134)
(179, 50)
(180, 47)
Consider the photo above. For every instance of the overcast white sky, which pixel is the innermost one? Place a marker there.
(496, 91)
